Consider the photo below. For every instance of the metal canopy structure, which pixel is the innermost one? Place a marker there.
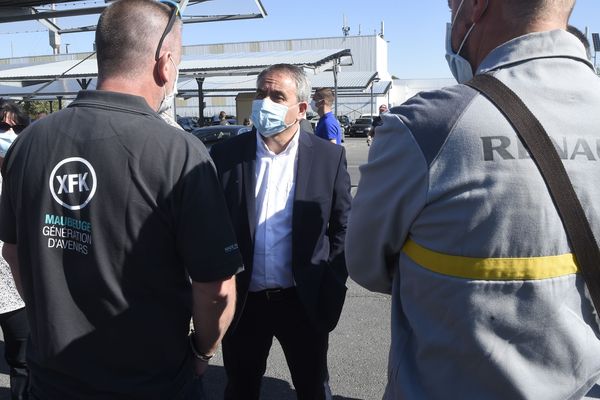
(355, 83)
(45, 11)
(350, 84)
(253, 63)
(66, 88)
(198, 66)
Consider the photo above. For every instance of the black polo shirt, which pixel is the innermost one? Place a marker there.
(111, 209)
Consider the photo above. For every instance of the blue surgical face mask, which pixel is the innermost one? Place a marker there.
(269, 117)
(461, 68)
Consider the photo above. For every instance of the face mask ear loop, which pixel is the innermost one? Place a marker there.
(464, 40)
(487, 4)
(457, 11)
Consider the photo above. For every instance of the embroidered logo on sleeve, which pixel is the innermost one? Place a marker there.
(231, 248)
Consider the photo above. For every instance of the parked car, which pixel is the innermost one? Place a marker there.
(361, 127)
(344, 121)
(210, 135)
(188, 123)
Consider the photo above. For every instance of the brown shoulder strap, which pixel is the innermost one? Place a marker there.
(544, 154)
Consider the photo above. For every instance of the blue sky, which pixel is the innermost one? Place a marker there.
(415, 29)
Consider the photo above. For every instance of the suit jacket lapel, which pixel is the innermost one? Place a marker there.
(305, 157)
(249, 177)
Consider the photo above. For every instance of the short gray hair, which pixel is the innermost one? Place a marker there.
(303, 87)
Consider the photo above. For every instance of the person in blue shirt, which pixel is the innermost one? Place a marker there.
(328, 126)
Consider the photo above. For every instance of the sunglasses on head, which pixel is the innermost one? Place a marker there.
(5, 126)
(174, 13)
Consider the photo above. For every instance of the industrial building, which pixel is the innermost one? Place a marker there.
(363, 80)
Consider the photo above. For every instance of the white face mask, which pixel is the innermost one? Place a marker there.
(167, 101)
(461, 68)
(269, 117)
(314, 106)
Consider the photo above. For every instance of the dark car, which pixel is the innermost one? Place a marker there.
(344, 121)
(210, 135)
(360, 127)
(188, 123)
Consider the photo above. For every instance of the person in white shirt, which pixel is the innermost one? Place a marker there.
(288, 194)
(13, 317)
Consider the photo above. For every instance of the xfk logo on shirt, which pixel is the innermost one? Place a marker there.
(73, 183)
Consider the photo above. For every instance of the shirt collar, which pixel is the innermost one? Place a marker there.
(113, 100)
(262, 149)
(549, 44)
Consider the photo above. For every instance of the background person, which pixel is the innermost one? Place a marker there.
(288, 194)
(220, 119)
(377, 121)
(453, 218)
(13, 318)
(328, 127)
(106, 214)
(12, 121)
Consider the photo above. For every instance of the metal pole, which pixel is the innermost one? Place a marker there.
(388, 98)
(200, 82)
(372, 99)
(335, 84)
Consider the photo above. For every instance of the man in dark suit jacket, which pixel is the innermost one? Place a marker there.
(288, 194)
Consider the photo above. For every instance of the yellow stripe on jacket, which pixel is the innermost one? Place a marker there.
(492, 269)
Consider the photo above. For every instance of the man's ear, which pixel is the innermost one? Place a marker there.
(302, 108)
(479, 9)
(162, 69)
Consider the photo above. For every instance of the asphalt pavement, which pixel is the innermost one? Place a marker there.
(358, 347)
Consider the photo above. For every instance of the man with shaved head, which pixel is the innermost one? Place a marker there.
(453, 218)
(116, 229)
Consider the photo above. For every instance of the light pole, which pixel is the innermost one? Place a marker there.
(373, 83)
(596, 43)
(336, 70)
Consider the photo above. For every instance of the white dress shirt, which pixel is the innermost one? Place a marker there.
(274, 192)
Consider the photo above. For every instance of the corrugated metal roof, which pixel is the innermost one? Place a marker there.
(32, 3)
(346, 79)
(253, 62)
(213, 64)
(62, 87)
(78, 69)
(349, 84)
(351, 80)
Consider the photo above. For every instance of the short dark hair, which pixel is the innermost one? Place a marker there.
(127, 35)
(523, 11)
